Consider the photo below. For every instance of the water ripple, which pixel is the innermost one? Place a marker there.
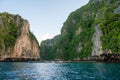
(59, 71)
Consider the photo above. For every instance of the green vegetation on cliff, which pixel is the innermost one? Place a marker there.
(10, 29)
(48, 48)
(75, 41)
(110, 25)
(14, 30)
(84, 19)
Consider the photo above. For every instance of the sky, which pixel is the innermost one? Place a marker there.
(46, 17)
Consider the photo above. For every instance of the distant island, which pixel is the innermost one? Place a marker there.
(90, 33)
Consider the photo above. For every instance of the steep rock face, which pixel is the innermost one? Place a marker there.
(97, 44)
(79, 48)
(16, 40)
(24, 47)
(117, 10)
(48, 48)
(80, 37)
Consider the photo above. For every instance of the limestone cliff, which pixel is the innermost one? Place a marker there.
(24, 46)
(97, 44)
(16, 39)
(90, 31)
(47, 47)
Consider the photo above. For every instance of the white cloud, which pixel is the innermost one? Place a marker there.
(46, 36)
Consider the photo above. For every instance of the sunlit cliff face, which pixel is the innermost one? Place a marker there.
(25, 47)
(16, 39)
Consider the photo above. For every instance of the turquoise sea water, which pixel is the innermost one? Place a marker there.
(59, 71)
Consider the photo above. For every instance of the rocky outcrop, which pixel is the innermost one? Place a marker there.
(78, 31)
(24, 46)
(117, 10)
(18, 42)
(97, 44)
(79, 48)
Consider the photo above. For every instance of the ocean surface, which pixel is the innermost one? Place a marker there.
(59, 71)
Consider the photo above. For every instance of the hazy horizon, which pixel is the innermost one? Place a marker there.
(46, 17)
